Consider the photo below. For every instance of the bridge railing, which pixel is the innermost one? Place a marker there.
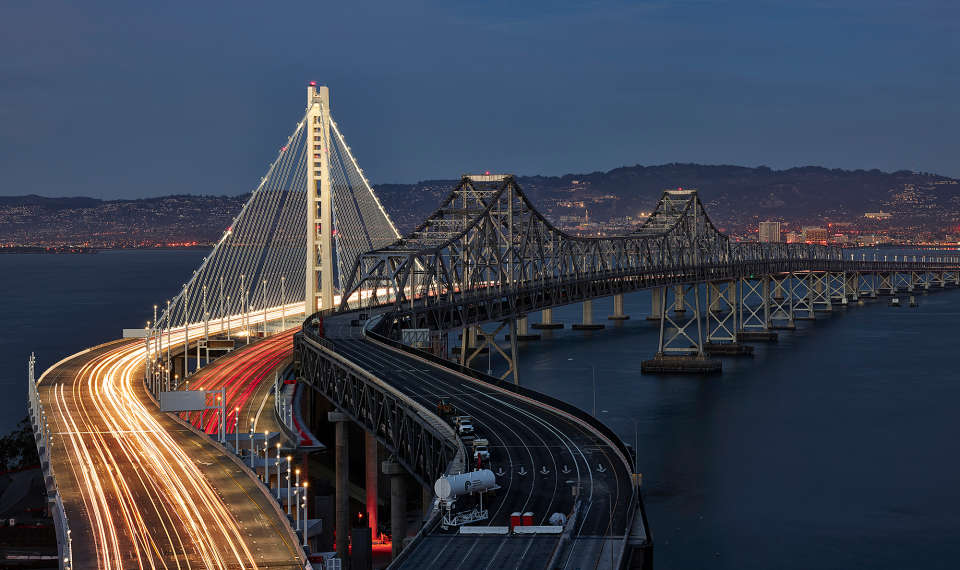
(43, 439)
(423, 443)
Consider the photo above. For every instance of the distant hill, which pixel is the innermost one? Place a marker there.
(736, 197)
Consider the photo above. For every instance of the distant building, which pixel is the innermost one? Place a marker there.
(769, 232)
(878, 215)
(794, 237)
(814, 234)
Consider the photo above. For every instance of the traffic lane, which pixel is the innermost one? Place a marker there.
(490, 429)
(64, 465)
(482, 552)
(525, 488)
(243, 374)
(156, 532)
(265, 531)
(610, 483)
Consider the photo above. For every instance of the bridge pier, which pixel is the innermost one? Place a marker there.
(371, 465)
(754, 319)
(398, 505)
(656, 298)
(523, 332)
(546, 321)
(342, 499)
(587, 323)
(721, 321)
(679, 351)
(618, 314)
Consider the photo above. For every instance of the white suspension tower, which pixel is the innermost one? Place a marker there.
(319, 202)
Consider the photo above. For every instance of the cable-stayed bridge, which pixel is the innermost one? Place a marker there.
(314, 240)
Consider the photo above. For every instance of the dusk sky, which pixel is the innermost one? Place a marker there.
(134, 99)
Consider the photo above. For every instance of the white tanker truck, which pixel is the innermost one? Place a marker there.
(449, 488)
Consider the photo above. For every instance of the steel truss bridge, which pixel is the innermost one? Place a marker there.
(314, 240)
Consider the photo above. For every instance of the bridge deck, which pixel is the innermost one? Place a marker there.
(139, 489)
(539, 458)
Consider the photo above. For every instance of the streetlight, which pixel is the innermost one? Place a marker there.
(288, 484)
(252, 455)
(298, 497)
(305, 519)
(278, 470)
(236, 430)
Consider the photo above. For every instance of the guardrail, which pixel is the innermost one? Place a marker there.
(43, 439)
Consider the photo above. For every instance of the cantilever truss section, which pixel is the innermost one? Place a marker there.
(259, 262)
(487, 238)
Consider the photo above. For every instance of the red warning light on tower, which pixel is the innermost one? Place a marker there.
(312, 84)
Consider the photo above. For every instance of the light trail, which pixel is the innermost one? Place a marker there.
(147, 502)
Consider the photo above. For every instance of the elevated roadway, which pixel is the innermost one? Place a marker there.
(246, 375)
(141, 490)
(545, 460)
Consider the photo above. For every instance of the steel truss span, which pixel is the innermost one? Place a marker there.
(486, 254)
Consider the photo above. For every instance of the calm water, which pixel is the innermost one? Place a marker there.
(56, 305)
(833, 448)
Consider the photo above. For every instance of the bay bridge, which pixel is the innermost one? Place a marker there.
(351, 321)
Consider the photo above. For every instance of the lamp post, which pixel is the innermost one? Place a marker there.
(236, 430)
(305, 519)
(252, 454)
(266, 460)
(297, 491)
(278, 471)
(288, 484)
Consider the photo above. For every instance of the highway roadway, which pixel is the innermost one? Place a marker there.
(539, 458)
(140, 489)
(246, 374)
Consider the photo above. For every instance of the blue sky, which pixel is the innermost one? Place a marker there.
(132, 99)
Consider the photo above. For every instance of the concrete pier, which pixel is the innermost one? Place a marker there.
(587, 324)
(371, 468)
(686, 364)
(618, 314)
(523, 332)
(398, 505)
(655, 308)
(546, 321)
(342, 460)
(757, 336)
(727, 349)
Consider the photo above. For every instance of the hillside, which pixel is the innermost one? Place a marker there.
(736, 197)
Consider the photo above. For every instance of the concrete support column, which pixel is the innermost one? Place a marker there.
(618, 314)
(398, 505)
(523, 330)
(342, 460)
(522, 326)
(678, 299)
(587, 320)
(655, 299)
(546, 321)
(370, 485)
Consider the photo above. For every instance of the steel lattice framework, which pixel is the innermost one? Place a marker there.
(486, 254)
